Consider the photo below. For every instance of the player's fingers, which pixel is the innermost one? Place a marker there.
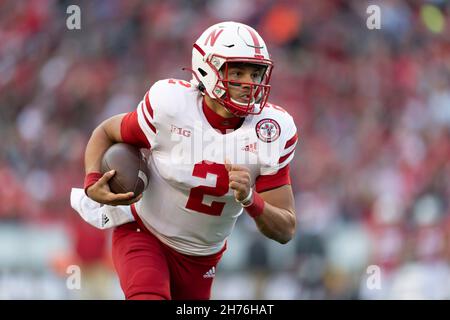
(234, 175)
(227, 164)
(133, 200)
(233, 185)
(238, 178)
(124, 196)
(237, 186)
(105, 178)
(112, 197)
(126, 202)
(237, 167)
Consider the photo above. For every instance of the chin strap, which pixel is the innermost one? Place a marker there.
(252, 103)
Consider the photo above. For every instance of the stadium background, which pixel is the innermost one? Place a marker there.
(371, 174)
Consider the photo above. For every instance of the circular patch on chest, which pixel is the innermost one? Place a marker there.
(268, 130)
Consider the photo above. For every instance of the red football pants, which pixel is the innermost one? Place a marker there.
(149, 269)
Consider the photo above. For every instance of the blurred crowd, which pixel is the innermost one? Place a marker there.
(371, 174)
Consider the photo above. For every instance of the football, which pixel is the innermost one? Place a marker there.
(132, 173)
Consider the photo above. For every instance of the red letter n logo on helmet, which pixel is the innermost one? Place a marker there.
(212, 37)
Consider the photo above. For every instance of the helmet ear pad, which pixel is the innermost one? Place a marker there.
(208, 74)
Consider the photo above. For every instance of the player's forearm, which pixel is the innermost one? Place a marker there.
(96, 147)
(104, 136)
(276, 223)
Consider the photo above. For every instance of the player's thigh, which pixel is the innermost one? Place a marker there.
(192, 277)
(140, 263)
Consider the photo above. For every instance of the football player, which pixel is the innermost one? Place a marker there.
(217, 149)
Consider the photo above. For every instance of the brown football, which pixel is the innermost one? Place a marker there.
(132, 172)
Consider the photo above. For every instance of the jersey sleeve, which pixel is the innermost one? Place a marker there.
(268, 182)
(276, 174)
(139, 126)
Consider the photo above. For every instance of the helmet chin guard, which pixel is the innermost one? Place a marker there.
(217, 47)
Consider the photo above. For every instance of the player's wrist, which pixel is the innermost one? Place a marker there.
(90, 179)
(247, 200)
(254, 205)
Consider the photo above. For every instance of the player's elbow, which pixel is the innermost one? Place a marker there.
(281, 231)
(280, 236)
(285, 237)
(284, 240)
(289, 232)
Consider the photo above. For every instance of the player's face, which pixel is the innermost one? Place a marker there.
(244, 74)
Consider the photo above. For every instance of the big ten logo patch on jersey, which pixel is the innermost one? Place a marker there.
(198, 142)
(180, 131)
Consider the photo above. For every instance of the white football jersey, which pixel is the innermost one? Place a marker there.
(188, 204)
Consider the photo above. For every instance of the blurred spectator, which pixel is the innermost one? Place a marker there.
(372, 175)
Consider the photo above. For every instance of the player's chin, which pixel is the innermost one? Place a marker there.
(242, 99)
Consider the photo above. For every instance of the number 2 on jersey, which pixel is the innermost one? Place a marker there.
(195, 201)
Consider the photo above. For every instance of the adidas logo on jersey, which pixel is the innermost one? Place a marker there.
(250, 147)
(211, 273)
(105, 219)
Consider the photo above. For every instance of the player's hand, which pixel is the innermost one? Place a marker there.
(101, 193)
(239, 177)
